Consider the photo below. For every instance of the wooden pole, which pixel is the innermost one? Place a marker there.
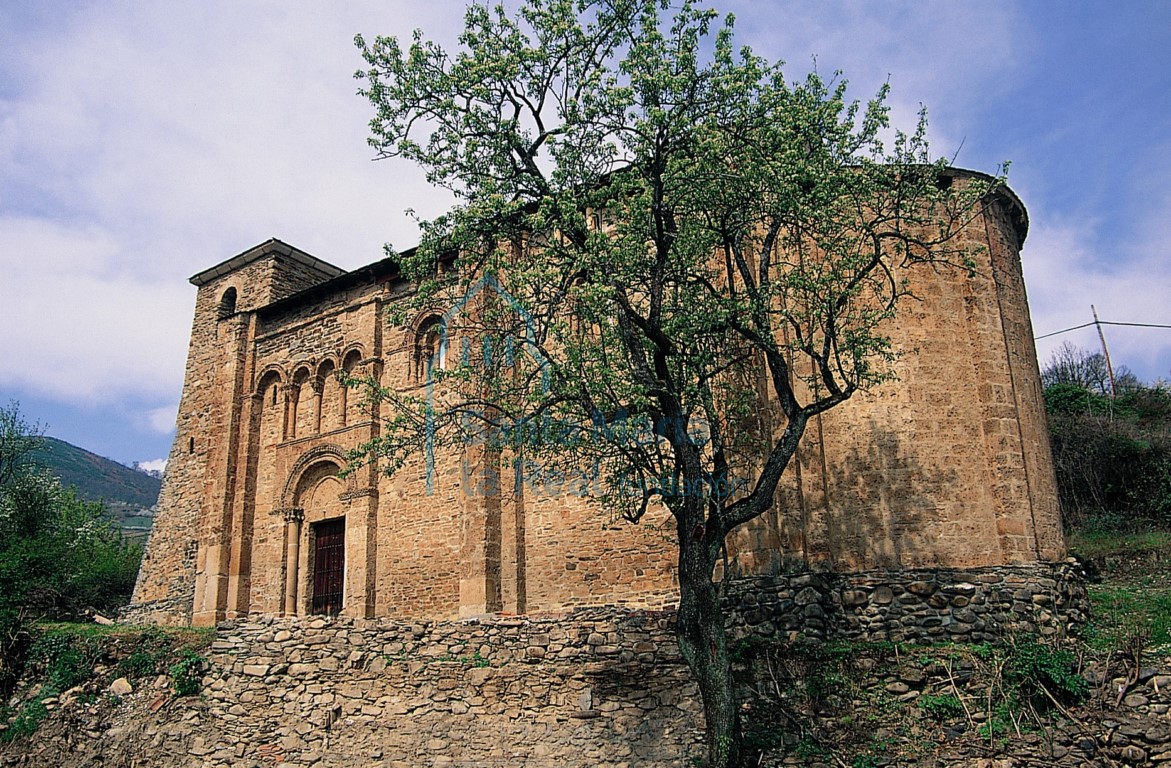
(1105, 351)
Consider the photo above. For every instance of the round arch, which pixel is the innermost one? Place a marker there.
(270, 371)
(227, 303)
(309, 468)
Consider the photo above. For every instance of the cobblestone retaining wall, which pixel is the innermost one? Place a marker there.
(933, 604)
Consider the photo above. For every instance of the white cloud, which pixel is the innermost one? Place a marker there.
(1066, 274)
(954, 58)
(86, 326)
(154, 465)
(142, 143)
(162, 420)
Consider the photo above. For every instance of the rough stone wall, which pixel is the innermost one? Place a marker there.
(197, 467)
(603, 688)
(594, 687)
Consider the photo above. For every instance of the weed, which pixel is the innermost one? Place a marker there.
(150, 650)
(26, 722)
(763, 739)
(185, 674)
(1040, 673)
(66, 660)
(809, 749)
(940, 707)
(139, 663)
(1001, 721)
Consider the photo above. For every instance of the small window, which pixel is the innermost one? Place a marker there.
(191, 445)
(430, 348)
(227, 306)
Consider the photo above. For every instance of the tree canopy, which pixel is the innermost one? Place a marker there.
(1111, 450)
(59, 554)
(673, 235)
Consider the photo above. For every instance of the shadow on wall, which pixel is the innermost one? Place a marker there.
(657, 698)
(883, 508)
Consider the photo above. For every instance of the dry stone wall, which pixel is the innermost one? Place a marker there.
(597, 687)
(601, 687)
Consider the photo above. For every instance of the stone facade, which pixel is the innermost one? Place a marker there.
(947, 467)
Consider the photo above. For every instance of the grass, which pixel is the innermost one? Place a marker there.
(194, 637)
(1134, 594)
(1098, 544)
(1123, 611)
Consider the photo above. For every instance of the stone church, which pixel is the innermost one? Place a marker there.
(946, 467)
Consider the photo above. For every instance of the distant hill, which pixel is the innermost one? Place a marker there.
(93, 477)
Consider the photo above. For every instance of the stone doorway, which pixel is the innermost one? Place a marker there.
(329, 566)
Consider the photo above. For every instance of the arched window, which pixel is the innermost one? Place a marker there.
(227, 306)
(328, 416)
(430, 347)
(351, 409)
(301, 415)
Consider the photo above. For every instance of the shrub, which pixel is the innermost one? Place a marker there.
(1112, 458)
(66, 660)
(1033, 670)
(186, 674)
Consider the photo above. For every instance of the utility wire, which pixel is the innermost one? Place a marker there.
(1103, 322)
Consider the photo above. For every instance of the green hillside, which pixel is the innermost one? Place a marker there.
(96, 478)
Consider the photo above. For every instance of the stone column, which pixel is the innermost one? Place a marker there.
(288, 418)
(361, 552)
(293, 520)
(240, 537)
(318, 390)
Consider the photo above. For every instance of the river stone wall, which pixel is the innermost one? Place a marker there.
(921, 605)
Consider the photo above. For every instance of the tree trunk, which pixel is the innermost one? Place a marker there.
(704, 645)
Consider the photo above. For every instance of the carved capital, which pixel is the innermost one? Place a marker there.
(294, 515)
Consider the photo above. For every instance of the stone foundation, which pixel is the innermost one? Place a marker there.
(921, 605)
(170, 611)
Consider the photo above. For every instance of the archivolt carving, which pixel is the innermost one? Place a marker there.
(328, 454)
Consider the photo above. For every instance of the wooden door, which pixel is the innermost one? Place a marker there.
(329, 566)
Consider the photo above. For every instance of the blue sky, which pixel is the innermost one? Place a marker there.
(142, 142)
